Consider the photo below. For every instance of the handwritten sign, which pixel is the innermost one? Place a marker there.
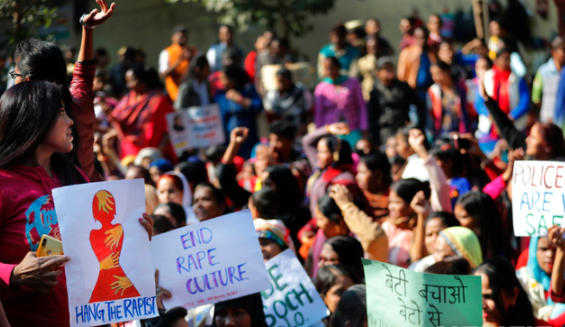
(538, 196)
(106, 280)
(209, 262)
(292, 299)
(196, 127)
(401, 297)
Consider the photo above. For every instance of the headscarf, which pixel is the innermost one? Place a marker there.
(154, 153)
(163, 165)
(191, 218)
(250, 303)
(273, 230)
(464, 242)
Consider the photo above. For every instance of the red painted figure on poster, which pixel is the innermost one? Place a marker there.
(112, 283)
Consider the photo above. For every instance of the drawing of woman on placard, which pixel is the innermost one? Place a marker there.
(106, 242)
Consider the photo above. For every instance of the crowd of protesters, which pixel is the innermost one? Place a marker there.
(407, 163)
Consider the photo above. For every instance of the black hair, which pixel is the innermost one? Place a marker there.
(445, 150)
(487, 59)
(285, 72)
(146, 175)
(447, 218)
(266, 201)
(215, 153)
(176, 210)
(352, 308)
(439, 17)
(482, 208)
(328, 275)
(339, 29)
(179, 29)
(27, 112)
(146, 74)
(349, 251)
(502, 278)
(216, 192)
(283, 42)
(237, 74)
(252, 303)
(329, 208)
(195, 172)
(228, 26)
(290, 195)
(411, 20)
(378, 162)
(41, 61)
(199, 62)
(452, 265)
(397, 160)
(340, 148)
(445, 67)
(234, 55)
(101, 52)
(423, 29)
(284, 129)
(161, 224)
(334, 61)
(407, 188)
(503, 51)
(171, 316)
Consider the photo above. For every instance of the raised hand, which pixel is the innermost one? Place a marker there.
(341, 195)
(239, 135)
(99, 17)
(420, 204)
(417, 139)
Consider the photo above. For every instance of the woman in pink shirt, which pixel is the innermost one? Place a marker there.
(339, 98)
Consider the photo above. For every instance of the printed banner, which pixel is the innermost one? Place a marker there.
(401, 297)
(538, 196)
(209, 262)
(292, 299)
(196, 127)
(110, 277)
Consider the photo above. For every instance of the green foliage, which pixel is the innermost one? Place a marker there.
(291, 16)
(26, 16)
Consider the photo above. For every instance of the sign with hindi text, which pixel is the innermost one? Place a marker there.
(196, 127)
(538, 196)
(292, 299)
(110, 277)
(212, 261)
(400, 297)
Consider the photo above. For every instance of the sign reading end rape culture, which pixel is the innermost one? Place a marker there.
(538, 196)
(400, 297)
(100, 230)
(209, 262)
(292, 299)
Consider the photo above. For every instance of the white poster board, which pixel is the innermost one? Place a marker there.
(538, 196)
(196, 127)
(213, 261)
(292, 298)
(107, 281)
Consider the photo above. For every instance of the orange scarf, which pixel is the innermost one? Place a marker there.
(172, 81)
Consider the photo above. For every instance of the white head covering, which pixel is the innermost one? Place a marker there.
(186, 192)
(153, 153)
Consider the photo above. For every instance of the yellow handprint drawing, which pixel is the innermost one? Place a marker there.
(112, 283)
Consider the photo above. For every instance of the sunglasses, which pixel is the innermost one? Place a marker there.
(13, 74)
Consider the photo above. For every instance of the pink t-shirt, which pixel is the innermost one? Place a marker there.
(398, 244)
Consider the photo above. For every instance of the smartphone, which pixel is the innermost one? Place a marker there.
(460, 143)
(49, 246)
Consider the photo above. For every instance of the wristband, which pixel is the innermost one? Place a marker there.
(90, 27)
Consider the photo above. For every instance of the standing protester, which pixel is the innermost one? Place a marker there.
(216, 51)
(339, 49)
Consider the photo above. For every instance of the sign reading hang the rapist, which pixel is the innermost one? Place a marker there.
(292, 299)
(196, 127)
(401, 297)
(100, 230)
(213, 261)
(538, 196)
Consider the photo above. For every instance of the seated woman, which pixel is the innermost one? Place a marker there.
(246, 311)
(140, 117)
(505, 303)
(332, 281)
(542, 278)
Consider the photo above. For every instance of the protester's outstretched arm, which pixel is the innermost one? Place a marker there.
(421, 207)
(557, 283)
(93, 19)
(226, 170)
(371, 236)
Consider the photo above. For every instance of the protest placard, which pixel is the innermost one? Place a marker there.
(196, 127)
(100, 230)
(401, 297)
(292, 299)
(209, 262)
(538, 196)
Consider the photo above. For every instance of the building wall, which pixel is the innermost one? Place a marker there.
(147, 23)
